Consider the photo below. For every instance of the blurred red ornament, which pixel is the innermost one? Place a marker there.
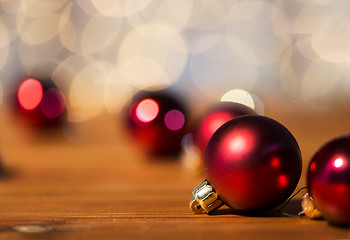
(40, 102)
(329, 180)
(2, 168)
(157, 120)
(252, 162)
(215, 118)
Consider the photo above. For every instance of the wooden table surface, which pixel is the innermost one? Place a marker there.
(103, 187)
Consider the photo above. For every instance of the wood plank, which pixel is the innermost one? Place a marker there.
(105, 188)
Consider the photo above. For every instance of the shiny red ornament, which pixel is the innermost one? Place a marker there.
(215, 118)
(253, 163)
(158, 122)
(40, 103)
(329, 180)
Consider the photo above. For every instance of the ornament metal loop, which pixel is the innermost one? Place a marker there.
(307, 204)
(205, 199)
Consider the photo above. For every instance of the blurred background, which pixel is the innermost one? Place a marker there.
(100, 52)
(286, 59)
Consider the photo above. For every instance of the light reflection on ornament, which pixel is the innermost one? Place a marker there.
(312, 167)
(275, 162)
(215, 118)
(238, 143)
(53, 103)
(174, 120)
(283, 181)
(339, 162)
(30, 94)
(214, 121)
(147, 110)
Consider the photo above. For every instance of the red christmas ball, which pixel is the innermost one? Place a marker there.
(253, 163)
(215, 118)
(329, 180)
(40, 103)
(2, 168)
(157, 120)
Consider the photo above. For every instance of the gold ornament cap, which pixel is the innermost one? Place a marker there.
(308, 206)
(205, 199)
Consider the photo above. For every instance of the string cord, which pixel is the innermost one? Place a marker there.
(288, 201)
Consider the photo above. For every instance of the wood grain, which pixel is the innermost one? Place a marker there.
(103, 187)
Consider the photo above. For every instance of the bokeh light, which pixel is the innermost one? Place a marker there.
(65, 72)
(147, 110)
(283, 181)
(254, 29)
(119, 9)
(338, 162)
(239, 143)
(4, 42)
(209, 14)
(152, 54)
(213, 122)
(156, 120)
(53, 103)
(86, 92)
(87, 7)
(294, 49)
(89, 35)
(174, 120)
(5, 39)
(144, 73)
(1, 94)
(41, 20)
(239, 96)
(321, 79)
(30, 94)
(174, 14)
(246, 98)
(40, 60)
(221, 64)
(117, 91)
(199, 41)
(328, 28)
